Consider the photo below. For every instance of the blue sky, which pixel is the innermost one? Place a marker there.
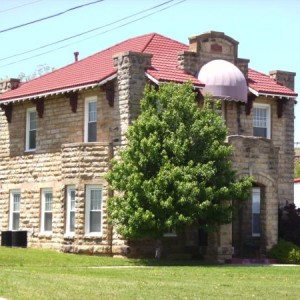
(266, 30)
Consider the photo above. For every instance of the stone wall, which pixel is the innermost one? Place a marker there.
(61, 159)
(259, 158)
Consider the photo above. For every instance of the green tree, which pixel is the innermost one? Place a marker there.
(39, 71)
(175, 169)
(297, 169)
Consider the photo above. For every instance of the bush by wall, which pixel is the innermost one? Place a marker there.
(285, 252)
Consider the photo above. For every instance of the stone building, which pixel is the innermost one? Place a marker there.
(59, 132)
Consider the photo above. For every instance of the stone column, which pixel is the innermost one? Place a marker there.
(189, 61)
(131, 82)
(9, 84)
(284, 77)
(220, 244)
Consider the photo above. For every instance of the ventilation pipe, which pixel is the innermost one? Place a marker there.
(76, 55)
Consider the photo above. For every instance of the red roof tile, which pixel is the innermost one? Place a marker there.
(262, 83)
(99, 66)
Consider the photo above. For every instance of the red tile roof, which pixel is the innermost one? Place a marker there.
(263, 84)
(99, 66)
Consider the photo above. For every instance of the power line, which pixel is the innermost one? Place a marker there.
(49, 17)
(103, 32)
(15, 7)
(88, 31)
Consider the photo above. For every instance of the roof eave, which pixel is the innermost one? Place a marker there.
(60, 91)
(273, 95)
(50, 93)
(158, 82)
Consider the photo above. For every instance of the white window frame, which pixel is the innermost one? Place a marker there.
(268, 116)
(70, 209)
(86, 118)
(256, 205)
(88, 210)
(13, 209)
(45, 210)
(28, 129)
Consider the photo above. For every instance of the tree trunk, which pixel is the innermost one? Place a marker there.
(158, 249)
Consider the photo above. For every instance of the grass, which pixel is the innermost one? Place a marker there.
(44, 274)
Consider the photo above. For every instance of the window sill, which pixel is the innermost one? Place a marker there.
(29, 151)
(69, 236)
(93, 235)
(45, 234)
(255, 235)
(170, 235)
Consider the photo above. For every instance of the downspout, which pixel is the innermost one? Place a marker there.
(110, 194)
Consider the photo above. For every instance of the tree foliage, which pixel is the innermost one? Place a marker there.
(175, 169)
(297, 169)
(39, 71)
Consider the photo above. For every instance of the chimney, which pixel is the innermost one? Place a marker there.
(76, 55)
(284, 78)
(9, 84)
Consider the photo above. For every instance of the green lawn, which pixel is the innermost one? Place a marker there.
(42, 274)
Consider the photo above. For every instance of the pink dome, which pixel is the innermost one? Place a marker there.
(223, 80)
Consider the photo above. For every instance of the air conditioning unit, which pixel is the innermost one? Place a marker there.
(14, 238)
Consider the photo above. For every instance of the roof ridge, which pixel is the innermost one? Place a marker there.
(79, 61)
(154, 34)
(261, 73)
(150, 40)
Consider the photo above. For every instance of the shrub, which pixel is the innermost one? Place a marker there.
(289, 224)
(285, 252)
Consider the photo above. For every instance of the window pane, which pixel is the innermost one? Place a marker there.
(256, 224)
(260, 117)
(16, 202)
(260, 121)
(32, 139)
(16, 221)
(95, 218)
(72, 200)
(32, 120)
(95, 199)
(48, 201)
(72, 221)
(256, 198)
(92, 111)
(48, 221)
(92, 132)
(93, 212)
(262, 132)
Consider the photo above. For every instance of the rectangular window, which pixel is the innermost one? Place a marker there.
(261, 120)
(256, 197)
(93, 214)
(91, 120)
(31, 129)
(46, 213)
(15, 201)
(70, 217)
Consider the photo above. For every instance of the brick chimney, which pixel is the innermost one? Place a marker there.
(283, 77)
(9, 84)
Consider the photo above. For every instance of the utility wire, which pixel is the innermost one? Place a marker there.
(49, 17)
(15, 7)
(88, 31)
(103, 32)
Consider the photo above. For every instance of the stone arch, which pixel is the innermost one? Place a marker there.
(269, 208)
